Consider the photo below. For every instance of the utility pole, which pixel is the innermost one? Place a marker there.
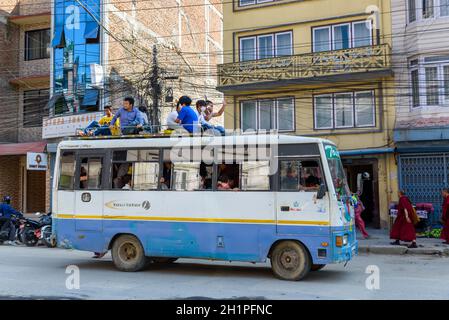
(155, 90)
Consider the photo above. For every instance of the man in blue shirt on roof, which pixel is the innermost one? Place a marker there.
(131, 120)
(187, 116)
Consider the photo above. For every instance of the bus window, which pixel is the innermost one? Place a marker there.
(256, 176)
(135, 169)
(186, 176)
(145, 176)
(90, 173)
(228, 177)
(300, 175)
(67, 171)
(166, 176)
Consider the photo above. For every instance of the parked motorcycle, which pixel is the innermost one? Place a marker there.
(31, 231)
(45, 231)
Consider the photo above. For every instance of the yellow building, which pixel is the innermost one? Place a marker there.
(317, 68)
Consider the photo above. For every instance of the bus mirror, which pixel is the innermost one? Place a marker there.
(321, 192)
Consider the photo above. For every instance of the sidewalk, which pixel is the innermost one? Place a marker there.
(379, 243)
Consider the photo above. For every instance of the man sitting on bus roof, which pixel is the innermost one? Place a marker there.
(101, 127)
(131, 121)
(187, 116)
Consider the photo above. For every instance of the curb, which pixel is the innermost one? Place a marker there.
(401, 250)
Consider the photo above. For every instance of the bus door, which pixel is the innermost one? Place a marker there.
(89, 195)
(299, 203)
(65, 197)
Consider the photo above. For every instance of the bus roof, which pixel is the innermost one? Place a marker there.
(136, 142)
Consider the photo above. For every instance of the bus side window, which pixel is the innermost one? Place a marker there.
(90, 173)
(256, 176)
(300, 175)
(67, 171)
(186, 176)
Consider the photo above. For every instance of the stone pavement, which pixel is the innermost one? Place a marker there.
(379, 243)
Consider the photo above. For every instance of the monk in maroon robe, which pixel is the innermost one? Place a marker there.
(403, 227)
(445, 216)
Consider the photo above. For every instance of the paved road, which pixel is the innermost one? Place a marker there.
(40, 273)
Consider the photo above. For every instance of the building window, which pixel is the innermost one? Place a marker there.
(427, 9)
(415, 88)
(342, 36)
(35, 107)
(432, 86)
(411, 11)
(37, 43)
(266, 46)
(444, 8)
(430, 79)
(344, 110)
(269, 114)
(244, 3)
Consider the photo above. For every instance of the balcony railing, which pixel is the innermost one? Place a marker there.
(306, 66)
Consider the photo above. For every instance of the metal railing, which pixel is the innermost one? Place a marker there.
(310, 65)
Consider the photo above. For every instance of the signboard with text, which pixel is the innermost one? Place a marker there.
(67, 126)
(37, 161)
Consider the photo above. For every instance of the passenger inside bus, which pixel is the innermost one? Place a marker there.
(166, 176)
(127, 180)
(83, 177)
(309, 178)
(206, 172)
(120, 170)
(228, 176)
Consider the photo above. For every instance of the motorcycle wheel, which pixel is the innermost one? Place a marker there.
(28, 238)
(48, 241)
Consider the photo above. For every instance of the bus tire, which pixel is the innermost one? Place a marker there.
(164, 260)
(128, 254)
(290, 261)
(317, 267)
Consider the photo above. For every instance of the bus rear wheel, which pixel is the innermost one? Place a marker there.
(128, 254)
(290, 261)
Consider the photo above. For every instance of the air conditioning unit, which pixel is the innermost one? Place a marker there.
(97, 76)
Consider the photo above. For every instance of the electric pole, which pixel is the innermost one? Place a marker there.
(155, 90)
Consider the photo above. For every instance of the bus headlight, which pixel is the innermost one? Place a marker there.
(341, 241)
(345, 240)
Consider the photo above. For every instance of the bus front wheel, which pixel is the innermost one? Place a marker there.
(128, 254)
(290, 261)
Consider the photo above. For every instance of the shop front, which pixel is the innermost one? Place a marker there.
(24, 175)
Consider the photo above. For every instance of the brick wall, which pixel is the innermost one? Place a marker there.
(10, 182)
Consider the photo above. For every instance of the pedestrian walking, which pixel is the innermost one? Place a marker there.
(359, 223)
(404, 227)
(445, 216)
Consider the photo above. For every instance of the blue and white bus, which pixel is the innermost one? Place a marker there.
(233, 198)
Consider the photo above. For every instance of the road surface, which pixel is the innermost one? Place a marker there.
(40, 273)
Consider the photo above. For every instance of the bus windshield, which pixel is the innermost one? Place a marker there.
(337, 172)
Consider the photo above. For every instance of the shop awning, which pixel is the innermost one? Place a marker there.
(16, 149)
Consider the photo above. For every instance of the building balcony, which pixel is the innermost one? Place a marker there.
(306, 69)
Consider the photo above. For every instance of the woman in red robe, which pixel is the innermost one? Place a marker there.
(403, 227)
(445, 216)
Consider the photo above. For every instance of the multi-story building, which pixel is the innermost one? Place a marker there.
(421, 63)
(24, 93)
(103, 51)
(317, 68)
